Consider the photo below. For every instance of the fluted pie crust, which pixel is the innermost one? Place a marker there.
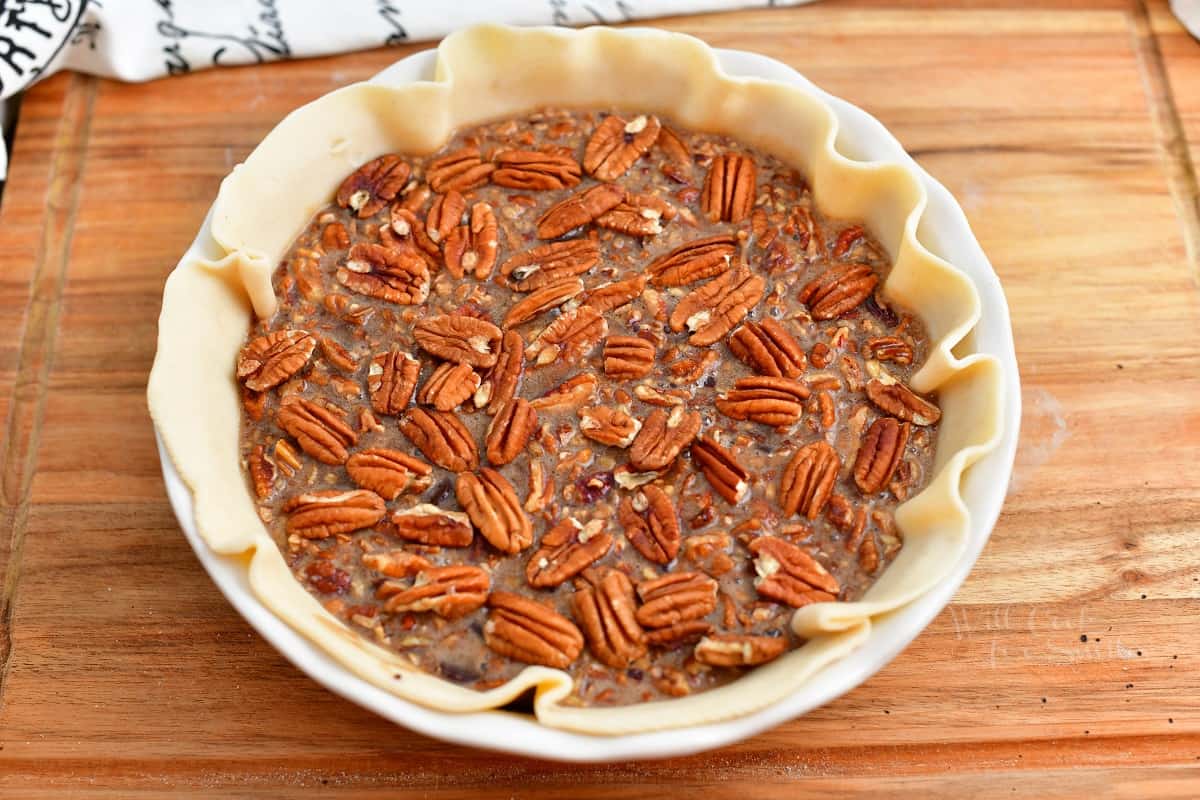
(492, 72)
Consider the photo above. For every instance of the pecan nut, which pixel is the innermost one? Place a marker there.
(531, 632)
(535, 171)
(317, 515)
(430, 525)
(461, 171)
(397, 276)
(891, 348)
(269, 360)
(566, 550)
(610, 426)
(627, 357)
(662, 437)
(673, 148)
(262, 472)
(902, 403)
(729, 188)
(320, 430)
(448, 386)
(442, 438)
(651, 524)
(450, 592)
(388, 473)
(733, 650)
(491, 503)
(391, 379)
(459, 338)
(676, 597)
(396, 563)
(549, 263)
(541, 300)
(694, 261)
(444, 216)
(373, 185)
(610, 296)
(768, 349)
(808, 480)
(505, 376)
(838, 290)
(789, 575)
(726, 476)
(881, 452)
(570, 393)
(679, 633)
(472, 248)
(605, 610)
(578, 210)
(510, 430)
(638, 215)
(712, 310)
(405, 233)
(616, 144)
(778, 402)
(570, 337)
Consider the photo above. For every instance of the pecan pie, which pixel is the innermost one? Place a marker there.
(584, 390)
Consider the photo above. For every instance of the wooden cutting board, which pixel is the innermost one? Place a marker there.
(1067, 665)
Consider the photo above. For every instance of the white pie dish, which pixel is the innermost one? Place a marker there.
(944, 230)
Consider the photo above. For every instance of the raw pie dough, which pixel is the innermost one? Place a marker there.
(490, 72)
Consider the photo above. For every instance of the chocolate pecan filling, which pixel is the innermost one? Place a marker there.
(583, 390)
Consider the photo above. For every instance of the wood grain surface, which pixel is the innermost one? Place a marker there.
(1067, 665)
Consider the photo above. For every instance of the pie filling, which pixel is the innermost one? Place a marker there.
(588, 391)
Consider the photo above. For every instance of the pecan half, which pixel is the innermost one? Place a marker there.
(450, 592)
(768, 349)
(444, 216)
(566, 550)
(570, 393)
(778, 402)
(891, 348)
(505, 376)
(549, 263)
(396, 563)
(609, 426)
(269, 360)
(727, 477)
(902, 403)
(316, 515)
(397, 276)
(789, 575)
(679, 633)
(461, 171)
(676, 597)
(405, 232)
(609, 296)
(491, 503)
(541, 487)
(510, 431)
(320, 430)
(570, 337)
(638, 215)
(442, 438)
(459, 338)
(373, 185)
(472, 248)
(430, 525)
(535, 171)
(531, 632)
(262, 472)
(627, 357)
(732, 650)
(388, 473)
(617, 143)
(651, 524)
(448, 386)
(838, 290)
(881, 452)
(605, 610)
(673, 147)
(391, 379)
(712, 310)
(662, 437)
(542, 300)
(729, 188)
(808, 480)
(694, 261)
(579, 209)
